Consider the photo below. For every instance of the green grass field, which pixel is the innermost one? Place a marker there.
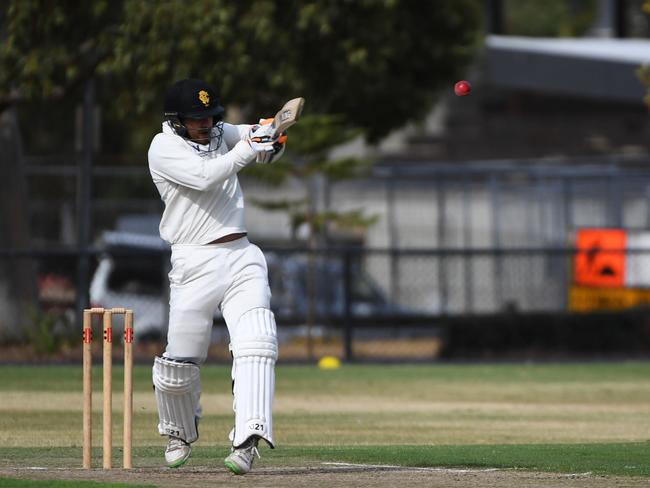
(561, 418)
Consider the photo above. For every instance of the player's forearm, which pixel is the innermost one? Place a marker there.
(232, 134)
(194, 171)
(219, 169)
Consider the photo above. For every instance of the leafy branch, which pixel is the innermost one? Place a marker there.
(308, 156)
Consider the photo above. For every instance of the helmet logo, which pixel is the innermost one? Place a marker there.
(204, 97)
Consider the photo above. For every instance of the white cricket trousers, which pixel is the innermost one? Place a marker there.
(232, 276)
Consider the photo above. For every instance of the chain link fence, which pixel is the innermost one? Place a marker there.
(475, 240)
(354, 303)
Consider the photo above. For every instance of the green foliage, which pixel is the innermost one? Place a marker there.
(48, 47)
(47, 332)
(308, 157)
(643, 72)
(367, 67)
(549, 18)
(378, 63)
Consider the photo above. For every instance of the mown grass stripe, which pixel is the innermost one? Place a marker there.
(631, 459)
(627, 459)
(22, 483)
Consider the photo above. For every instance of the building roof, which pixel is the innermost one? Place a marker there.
(602, 68)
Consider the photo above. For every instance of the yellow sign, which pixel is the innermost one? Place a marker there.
(587, 299)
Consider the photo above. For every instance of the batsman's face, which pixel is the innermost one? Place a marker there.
(198, 130)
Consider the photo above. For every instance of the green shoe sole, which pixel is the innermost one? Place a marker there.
(179, 463)
(233, 467)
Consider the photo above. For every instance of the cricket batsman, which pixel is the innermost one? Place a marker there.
(194, 163)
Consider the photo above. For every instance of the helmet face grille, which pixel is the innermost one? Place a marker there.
(216, 136)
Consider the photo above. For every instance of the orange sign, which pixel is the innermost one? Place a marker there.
(600, 260)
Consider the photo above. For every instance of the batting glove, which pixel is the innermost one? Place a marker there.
(261, 139)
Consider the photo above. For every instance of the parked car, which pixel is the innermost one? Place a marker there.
(132, 273)
(290, 276)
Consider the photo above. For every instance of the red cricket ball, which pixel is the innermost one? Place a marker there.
(462, 88)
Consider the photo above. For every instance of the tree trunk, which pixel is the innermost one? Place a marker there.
(17, 275)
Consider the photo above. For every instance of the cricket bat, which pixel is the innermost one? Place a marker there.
(287, 116)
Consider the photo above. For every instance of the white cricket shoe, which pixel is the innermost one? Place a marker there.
(178, 452)
(241, 459)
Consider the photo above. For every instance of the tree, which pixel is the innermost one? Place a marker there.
(379, 63)
(48, 50)
(551, 18)
(310, 163)
(17, 287)
(376, 64)
(308, 160)
(644, 71)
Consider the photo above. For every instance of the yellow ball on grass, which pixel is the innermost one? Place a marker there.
(329, 362)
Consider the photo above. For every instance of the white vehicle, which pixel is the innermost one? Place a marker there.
(132, 273)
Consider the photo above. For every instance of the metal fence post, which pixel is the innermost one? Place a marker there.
(441, 227)
(495, 201)
(468, 261)
(84, 200)
(347, 304)
(393, 241)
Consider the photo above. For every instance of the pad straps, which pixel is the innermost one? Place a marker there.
(177, 388)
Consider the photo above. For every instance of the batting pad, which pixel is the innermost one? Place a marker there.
(254, 348)
(178, 388)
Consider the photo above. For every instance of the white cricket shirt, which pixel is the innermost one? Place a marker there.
(200, 189)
